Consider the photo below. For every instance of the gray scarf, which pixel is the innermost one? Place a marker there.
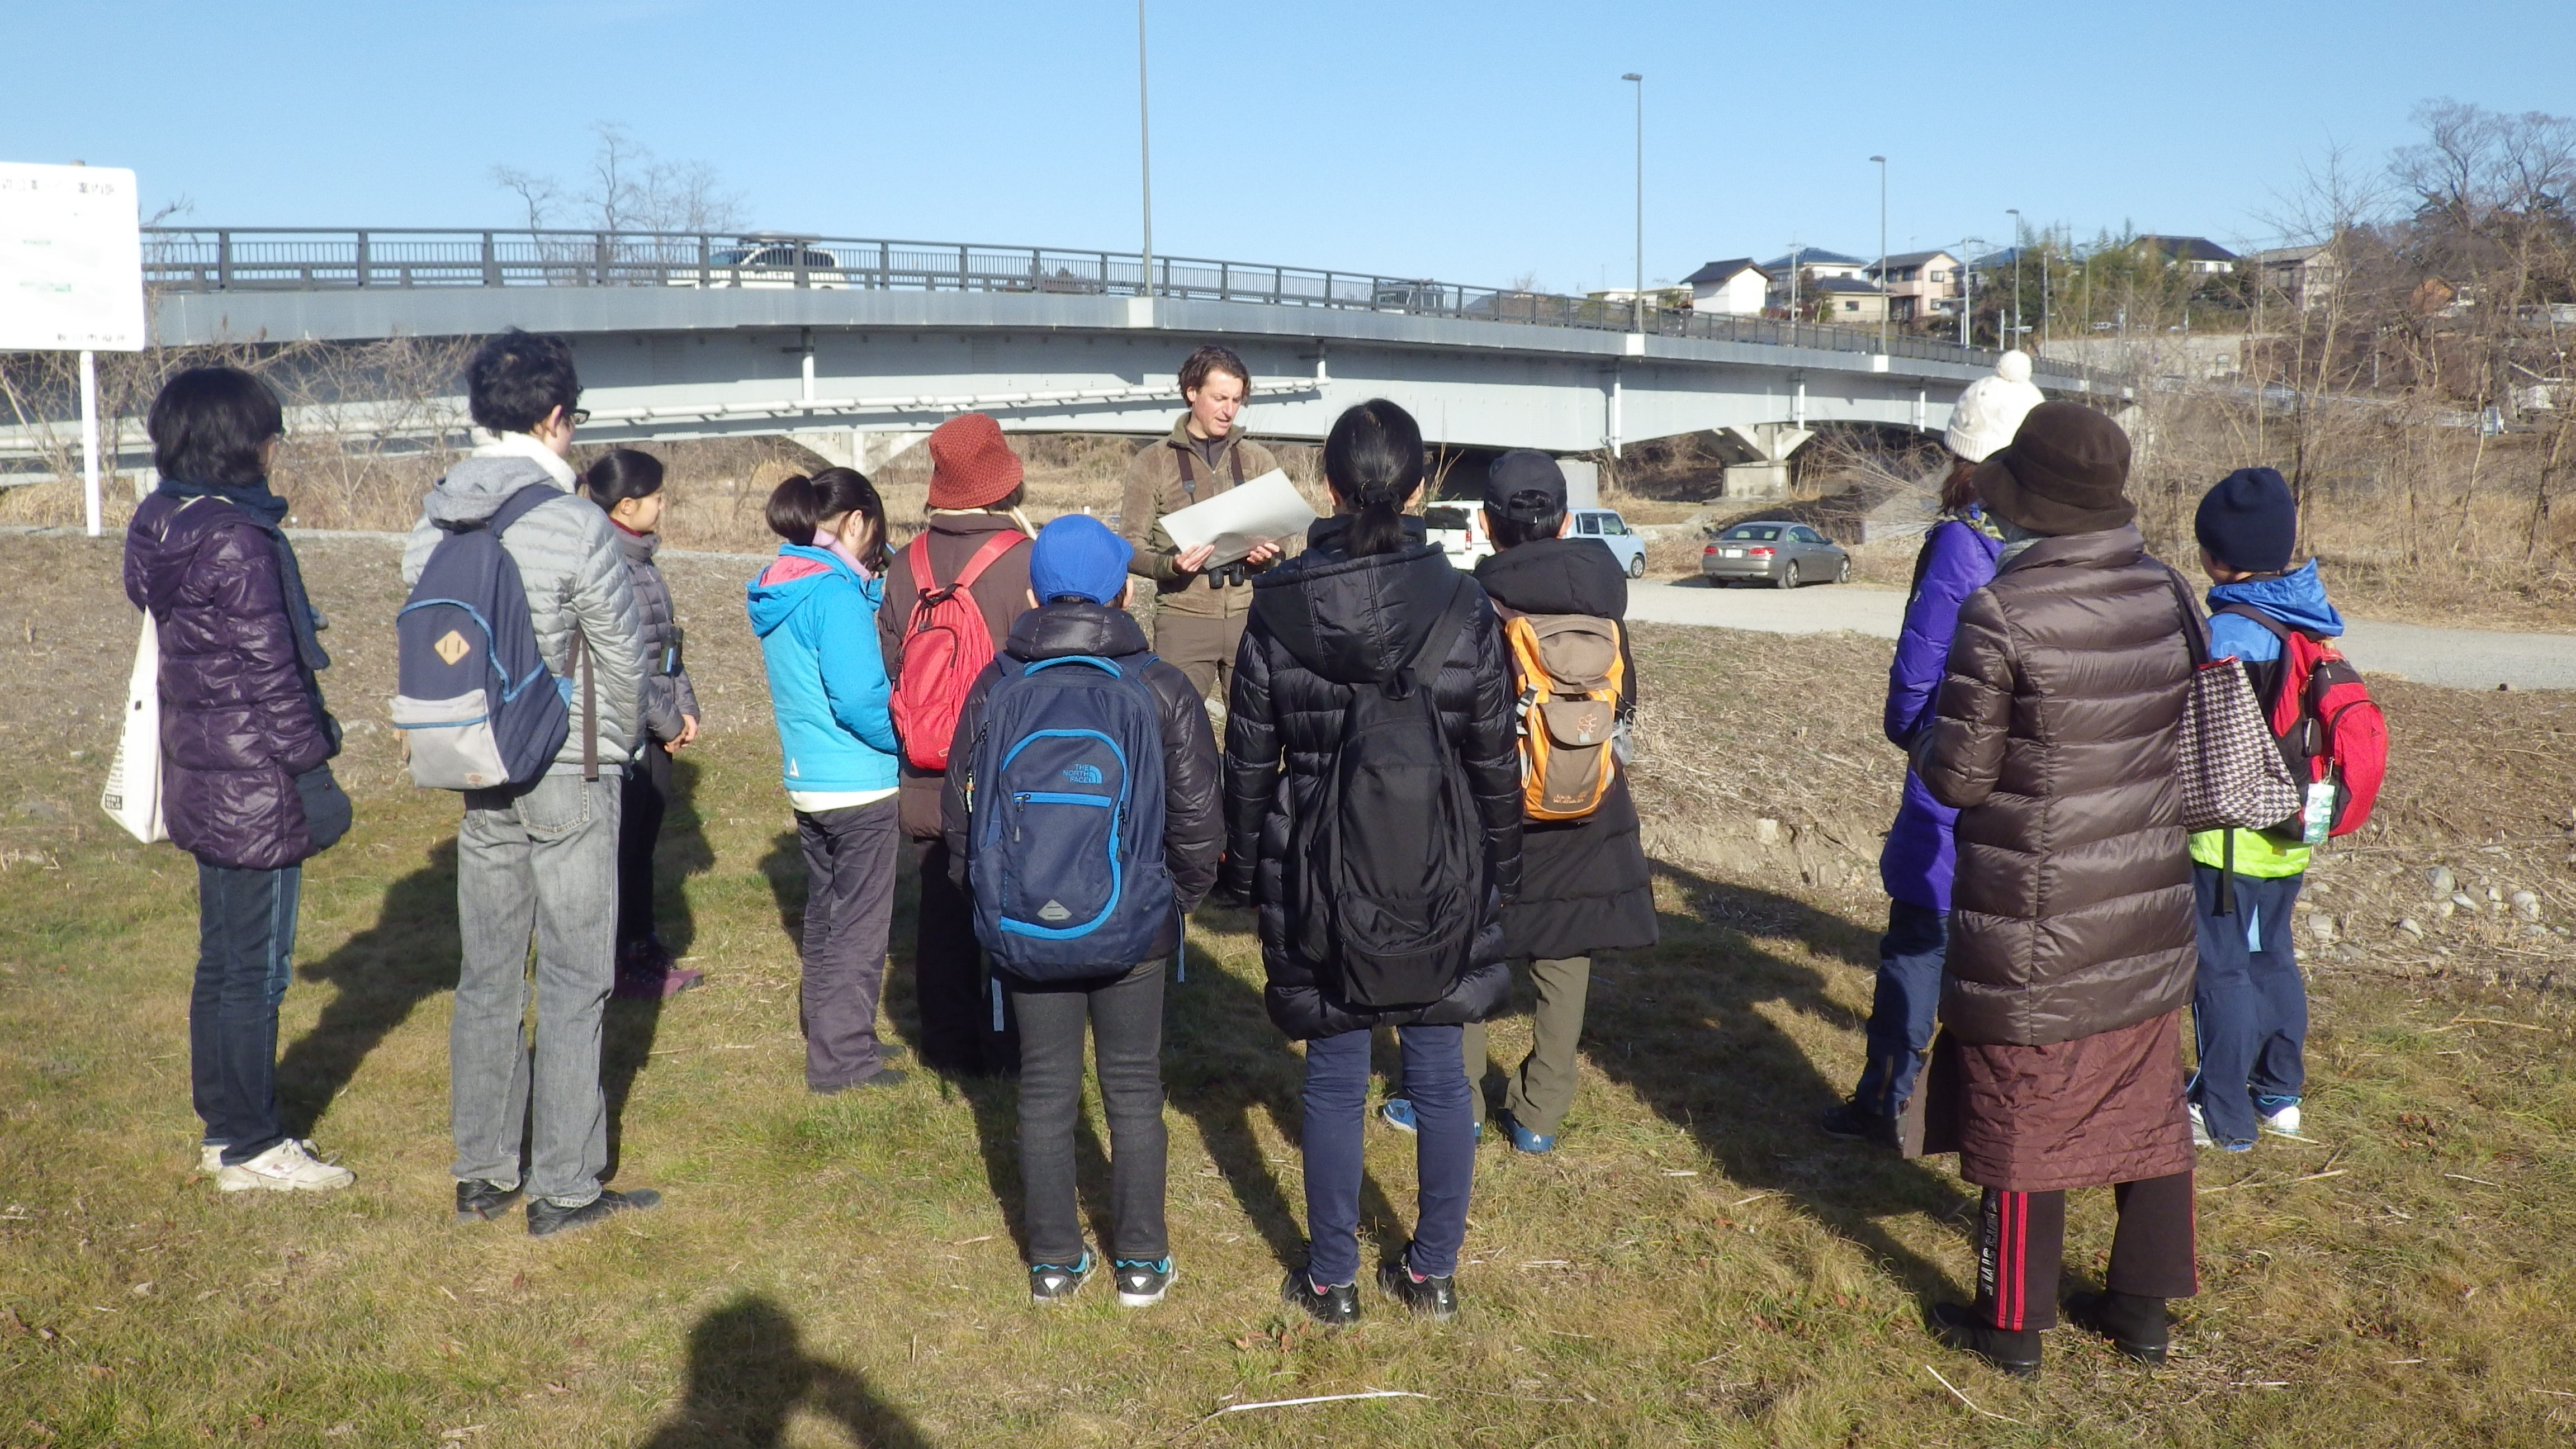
(2016, 540)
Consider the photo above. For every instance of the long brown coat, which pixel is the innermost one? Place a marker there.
(2071, 935)
(1154, 488)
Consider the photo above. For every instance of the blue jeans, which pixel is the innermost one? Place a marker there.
(1336, 1100)
(245, 955)
(1903, 1005)
(2249, 1009)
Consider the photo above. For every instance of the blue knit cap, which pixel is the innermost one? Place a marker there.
(1077, 554)
(2249, 521)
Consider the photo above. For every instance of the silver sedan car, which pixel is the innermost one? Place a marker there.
(1781, 554)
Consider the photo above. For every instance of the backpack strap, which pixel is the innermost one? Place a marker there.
(985, 557)
(1189, 480)
(520, 504)
(1234, 458)
(2274, 627)
(925, 581)
(1444, 632)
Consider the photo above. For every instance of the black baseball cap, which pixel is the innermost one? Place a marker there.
(1525, 485)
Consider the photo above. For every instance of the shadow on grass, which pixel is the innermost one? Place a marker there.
(379, 975)
(629, 1026)
(748, 1376)
(1687, 1033)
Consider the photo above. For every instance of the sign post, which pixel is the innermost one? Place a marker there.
(71, 278)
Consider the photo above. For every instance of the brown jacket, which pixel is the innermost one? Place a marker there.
(1002, 594)
(2054, 735)
(1154, 488)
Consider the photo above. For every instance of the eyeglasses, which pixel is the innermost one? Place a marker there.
(577, 417)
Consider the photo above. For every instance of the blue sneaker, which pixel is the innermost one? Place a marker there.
(1397, 1112)
(1523, 1139)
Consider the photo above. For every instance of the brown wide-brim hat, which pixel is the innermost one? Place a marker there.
(2064, 472)
(970, 465)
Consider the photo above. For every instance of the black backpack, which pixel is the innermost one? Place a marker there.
(1388, 883)
(473, 695)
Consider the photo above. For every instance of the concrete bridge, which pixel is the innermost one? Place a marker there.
(858, 348)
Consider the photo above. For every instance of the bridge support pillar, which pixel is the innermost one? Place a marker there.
(1758, 457)
(866, 449)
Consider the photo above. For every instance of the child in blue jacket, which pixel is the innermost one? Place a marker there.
(814, 609)
(2249, 1007)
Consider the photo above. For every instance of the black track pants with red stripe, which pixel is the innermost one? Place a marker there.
(2021, 1236)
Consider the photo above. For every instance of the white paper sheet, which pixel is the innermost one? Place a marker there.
(1262, 510)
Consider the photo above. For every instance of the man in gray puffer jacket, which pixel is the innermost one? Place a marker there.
(540, 860)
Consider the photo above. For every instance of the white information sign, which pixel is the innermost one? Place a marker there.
(71, 260)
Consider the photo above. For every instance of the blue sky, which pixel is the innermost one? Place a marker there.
(1473, 142)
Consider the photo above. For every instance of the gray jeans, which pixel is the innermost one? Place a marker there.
(849, 906)
(538, 863)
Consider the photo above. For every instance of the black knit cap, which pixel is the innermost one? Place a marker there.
(1525, 485)
(2249, 521)
(2064, 473)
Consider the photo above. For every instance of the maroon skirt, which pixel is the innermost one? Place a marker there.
(2100, 1109)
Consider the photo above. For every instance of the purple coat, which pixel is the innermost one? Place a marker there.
(238, 720)
(1958, 558)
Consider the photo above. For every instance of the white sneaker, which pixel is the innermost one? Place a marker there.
(288, 1167)
(210, 1158)
(2283, 1123)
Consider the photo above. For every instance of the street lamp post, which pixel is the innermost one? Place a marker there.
(1968, 286)
(1640, 300)
(1883, 298)
(2015, 213)
(1145, 149)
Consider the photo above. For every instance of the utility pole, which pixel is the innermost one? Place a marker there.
(1640, 309)
(1884, 300)
(1145, 148)
(2015, 213)
(1794, 250)
(1968, 286)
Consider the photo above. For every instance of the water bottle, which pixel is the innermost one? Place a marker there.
(2319, 817)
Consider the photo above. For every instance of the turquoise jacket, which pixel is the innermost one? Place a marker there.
(816, 618)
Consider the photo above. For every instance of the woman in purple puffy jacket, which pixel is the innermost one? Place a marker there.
(246, 787)
(1957, 559)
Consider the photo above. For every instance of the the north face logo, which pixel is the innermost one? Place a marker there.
(1083, 775)
(451, 646)
(1054, 910)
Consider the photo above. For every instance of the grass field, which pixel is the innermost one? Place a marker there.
(1693, 1266)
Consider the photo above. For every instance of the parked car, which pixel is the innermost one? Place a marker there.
(1782, 554)
(1612, 530)
(1459, 528)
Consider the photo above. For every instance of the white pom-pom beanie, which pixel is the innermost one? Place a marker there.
(1990, 411)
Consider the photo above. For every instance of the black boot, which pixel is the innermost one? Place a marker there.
(2135, 1325)
(1958, 1326)
(1423, 1297)
(1334, 1305)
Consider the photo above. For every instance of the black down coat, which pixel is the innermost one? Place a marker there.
(1584, 886)
(1321, 623)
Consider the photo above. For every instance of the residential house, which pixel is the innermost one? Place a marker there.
(2191, 253)
(2304, 275)
(1808, 265)
(1735, 288)
(1853, 301)
(1921, 284)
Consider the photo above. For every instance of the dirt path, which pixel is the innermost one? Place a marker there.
(2449, 658)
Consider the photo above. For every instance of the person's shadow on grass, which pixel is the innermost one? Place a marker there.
(629, 1026)
(380, 974)
(1686, 1031)
(748, 1374)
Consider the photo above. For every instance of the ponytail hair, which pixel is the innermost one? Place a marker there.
(799, 504)
(620, 474)
(1373, 462)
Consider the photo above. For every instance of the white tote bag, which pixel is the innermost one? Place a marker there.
(133, 794)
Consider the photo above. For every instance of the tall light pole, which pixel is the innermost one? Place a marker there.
(1883, 297)
(1640, 314)
(2015, 213)
(1968, 288)
(1145, 148)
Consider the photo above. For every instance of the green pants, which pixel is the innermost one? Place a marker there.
(1541, 1091)
(1201, 646)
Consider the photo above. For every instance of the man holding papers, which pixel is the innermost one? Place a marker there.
(1201, 602)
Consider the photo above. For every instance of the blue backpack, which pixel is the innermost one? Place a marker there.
(473, 696)
(1064, 801)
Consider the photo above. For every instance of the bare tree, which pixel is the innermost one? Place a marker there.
(627, 188)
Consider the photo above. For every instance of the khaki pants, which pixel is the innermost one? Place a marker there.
(1202, 647)
(1541, 1092)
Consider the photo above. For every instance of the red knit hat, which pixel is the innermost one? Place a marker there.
(970, 465)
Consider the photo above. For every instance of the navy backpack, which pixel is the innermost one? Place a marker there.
(1064, 799)
(473, 696)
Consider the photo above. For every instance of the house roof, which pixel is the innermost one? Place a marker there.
(2188, 248)
(1844, 284)
(1914, 259)
(1813, 257)
(1716, 272)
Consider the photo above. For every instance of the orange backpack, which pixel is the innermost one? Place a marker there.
(1571, 670)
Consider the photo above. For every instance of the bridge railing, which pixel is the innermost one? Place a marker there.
(241, 259)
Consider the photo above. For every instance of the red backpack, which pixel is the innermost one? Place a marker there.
(945, 646)
(2329, 727)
